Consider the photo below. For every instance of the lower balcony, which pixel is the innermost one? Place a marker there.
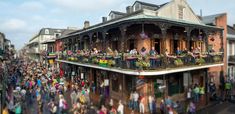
(144, 65)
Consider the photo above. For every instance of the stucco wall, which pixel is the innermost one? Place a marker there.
(171, 11)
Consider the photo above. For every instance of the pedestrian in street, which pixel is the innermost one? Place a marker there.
(136, 97)
(162, 107)
(191, 108)
(73, 97)
(120, 108)
(154, 106)
(113, 111)
(110, 104)
(5, 109)
(52, 107)
(131, 101)
(61, 104)
(196, 91)
(18, 108)
(150, 101)
(142, 109)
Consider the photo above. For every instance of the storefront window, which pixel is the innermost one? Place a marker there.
(115, 85)
(175, 84)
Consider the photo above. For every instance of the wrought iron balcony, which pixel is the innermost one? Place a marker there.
(138, 62)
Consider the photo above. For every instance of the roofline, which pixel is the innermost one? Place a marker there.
(231, 36)
(160, 19)
(141, 2)
(224, 13)
(122, 13)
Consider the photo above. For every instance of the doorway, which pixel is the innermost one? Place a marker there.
(175, 44)
(131, 44)
(157, 45)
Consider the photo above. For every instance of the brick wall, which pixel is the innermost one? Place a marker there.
(220, 22)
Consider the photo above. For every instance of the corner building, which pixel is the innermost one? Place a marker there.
(165, 27)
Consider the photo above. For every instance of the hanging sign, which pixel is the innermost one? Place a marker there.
(106, 82)
(82, 75)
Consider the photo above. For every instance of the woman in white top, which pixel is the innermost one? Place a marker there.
(141, 106)
(120, 108)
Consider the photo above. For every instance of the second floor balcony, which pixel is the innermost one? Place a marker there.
(137, 62)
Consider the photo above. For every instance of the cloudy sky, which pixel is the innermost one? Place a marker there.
(21, 19)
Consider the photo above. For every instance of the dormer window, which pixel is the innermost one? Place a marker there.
(181, 12)
(112, 16)
(137, 7)
(46, 31)
(57, 35)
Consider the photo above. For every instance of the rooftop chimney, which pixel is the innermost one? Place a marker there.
(104, 19)
(86, 24)
(129, 9)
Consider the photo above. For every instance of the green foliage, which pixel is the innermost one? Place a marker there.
(200, 61)
(85, 60)
(178, 62)
(142, 64)
(216, 59)
(111, 62)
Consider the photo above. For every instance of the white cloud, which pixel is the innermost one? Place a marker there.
(13, 24)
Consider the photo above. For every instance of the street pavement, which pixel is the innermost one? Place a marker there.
(221, 108)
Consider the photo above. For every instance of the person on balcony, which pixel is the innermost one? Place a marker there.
(133, 52)
(168, 55)
(185, 51)
(95, 51)
(153, 61)
(178, 51)
(143, 51)
(153, 52)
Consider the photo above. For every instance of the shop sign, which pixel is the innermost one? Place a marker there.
(82, 75)
(73, 73)
(106, 82)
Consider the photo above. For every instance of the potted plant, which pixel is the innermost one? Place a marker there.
(200, 61)
(142, 65)
(217, 59)
(95, 60)
(178, 62)
(111, 63)
(85, 60)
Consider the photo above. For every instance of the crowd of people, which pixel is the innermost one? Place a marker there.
(33, 87)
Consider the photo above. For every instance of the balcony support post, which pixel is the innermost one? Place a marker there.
(90, 40)
(164, 27)
(188, 30)
(206, 37)
(104, 32)
(80, 42)
(123, 36)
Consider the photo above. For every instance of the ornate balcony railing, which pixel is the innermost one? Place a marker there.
(138, 62)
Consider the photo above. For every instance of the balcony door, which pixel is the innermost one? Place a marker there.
(131, 44)
(157, 45)
(115, 45)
